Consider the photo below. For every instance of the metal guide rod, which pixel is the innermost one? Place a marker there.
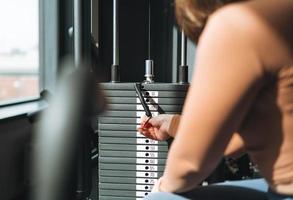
(77, 33)
(149, 31)
(95, 21)
(149, 63)
(183, 68)
(114, 70)
(183, 48)
(115, 33)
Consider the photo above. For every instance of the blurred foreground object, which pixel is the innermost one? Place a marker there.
(61, 165)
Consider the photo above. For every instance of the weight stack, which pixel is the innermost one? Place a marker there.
(130, 163)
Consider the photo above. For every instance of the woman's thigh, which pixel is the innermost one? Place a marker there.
(164, 196)
(256, 184)
(225, 191)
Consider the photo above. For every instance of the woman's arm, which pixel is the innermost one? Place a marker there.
(235, 147)
(227, 78)
(164, 126)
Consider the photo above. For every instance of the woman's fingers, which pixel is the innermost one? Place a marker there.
(148, 132)
(153, 121)
(143, 119)
(153, 134)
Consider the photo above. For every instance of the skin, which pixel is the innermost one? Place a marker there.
(164, 127)
(243, 83)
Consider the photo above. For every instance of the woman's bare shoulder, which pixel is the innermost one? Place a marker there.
(264, 24)
(255, 15)
(236, 17)
(233, 23)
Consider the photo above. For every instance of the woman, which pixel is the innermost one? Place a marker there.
(241, 97)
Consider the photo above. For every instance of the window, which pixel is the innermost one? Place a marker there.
(19, 50)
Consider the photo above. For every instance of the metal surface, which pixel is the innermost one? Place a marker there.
(115, 32)
(149, 31)
(95, 21)
(149, 71)
(149, 63)
(115, 76)
(183, 48)
(183, 68)
(129, 163)
(77, 32)
(142, 101)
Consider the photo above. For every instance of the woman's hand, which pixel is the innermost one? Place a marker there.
(161, 127)
(157, 185)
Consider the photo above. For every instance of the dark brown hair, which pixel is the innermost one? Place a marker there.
(192, 14)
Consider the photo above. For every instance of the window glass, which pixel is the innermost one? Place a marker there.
(19, 50)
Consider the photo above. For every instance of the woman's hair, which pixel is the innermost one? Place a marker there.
(192, 14)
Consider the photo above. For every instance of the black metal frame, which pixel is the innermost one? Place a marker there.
(133, 28)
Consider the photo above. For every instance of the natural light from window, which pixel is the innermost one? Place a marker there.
(19, 50)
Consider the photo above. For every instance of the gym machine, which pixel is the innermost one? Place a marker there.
(129, 163)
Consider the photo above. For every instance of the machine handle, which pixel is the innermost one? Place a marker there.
(137, 87)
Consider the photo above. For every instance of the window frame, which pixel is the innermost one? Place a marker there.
(48, 62)
(18, 100)
(49, 49)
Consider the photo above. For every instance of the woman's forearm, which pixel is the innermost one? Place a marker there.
(174, 125)
(181, 180)
(234, 149)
